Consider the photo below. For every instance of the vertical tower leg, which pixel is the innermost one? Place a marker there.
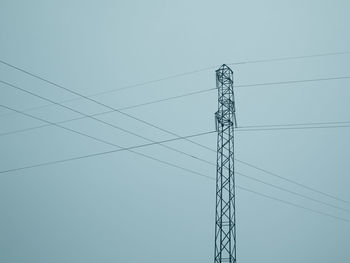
(225, 218)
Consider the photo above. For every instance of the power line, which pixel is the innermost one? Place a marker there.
(59, 126)
(289, 58)
(172, 76)
(136, 147)
(127, 107)
(109, 107)
(89, 116)
(150, 124)
(146, 156)
(324, 125)
(294, 124)
(276, 175)
(103, 141)
(293, 182)
(291, 82)
(327, 214)
(117, 89)
(175, 166)
(170, 148)
(287, 190)
(293, 204)
(214, 67)
(142, 146)
(99, 103)
(103, 153)
(69, 108)
(293, 128)
(239, 129)
(177, 75)
(292, 192)
(279, 176)
(80, 132)
(197, 92)
(130, 149)
(163, 162)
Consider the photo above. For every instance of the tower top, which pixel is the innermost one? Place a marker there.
(224, 67)
(224, 75)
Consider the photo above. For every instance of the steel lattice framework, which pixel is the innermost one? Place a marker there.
(225, 219)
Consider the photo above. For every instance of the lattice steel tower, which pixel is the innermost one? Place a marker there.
(225, 218)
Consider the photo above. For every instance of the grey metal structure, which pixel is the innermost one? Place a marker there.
(225, 218)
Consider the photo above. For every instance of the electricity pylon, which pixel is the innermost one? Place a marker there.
(225, 217)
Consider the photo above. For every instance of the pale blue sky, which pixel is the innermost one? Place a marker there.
(124, 208)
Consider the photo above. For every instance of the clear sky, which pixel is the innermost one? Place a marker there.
(123, 207)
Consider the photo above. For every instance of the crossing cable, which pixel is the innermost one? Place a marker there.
(99, 103)
(155, 126)
(293, 181)
(292, 192)
(131, 106)
(278, 176)
(199, 92)
(169, 164)
(285, 179)
(57, 125)
(95, 138)
(104, 122)
(279, 199)
(177, 75)
(130, 149)
(147, 123)
(241, 128)
(248, 128)
(178, 167)
(292, 204)
(216, 66)
(272, 127)
(85, 115)
(146, 145)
